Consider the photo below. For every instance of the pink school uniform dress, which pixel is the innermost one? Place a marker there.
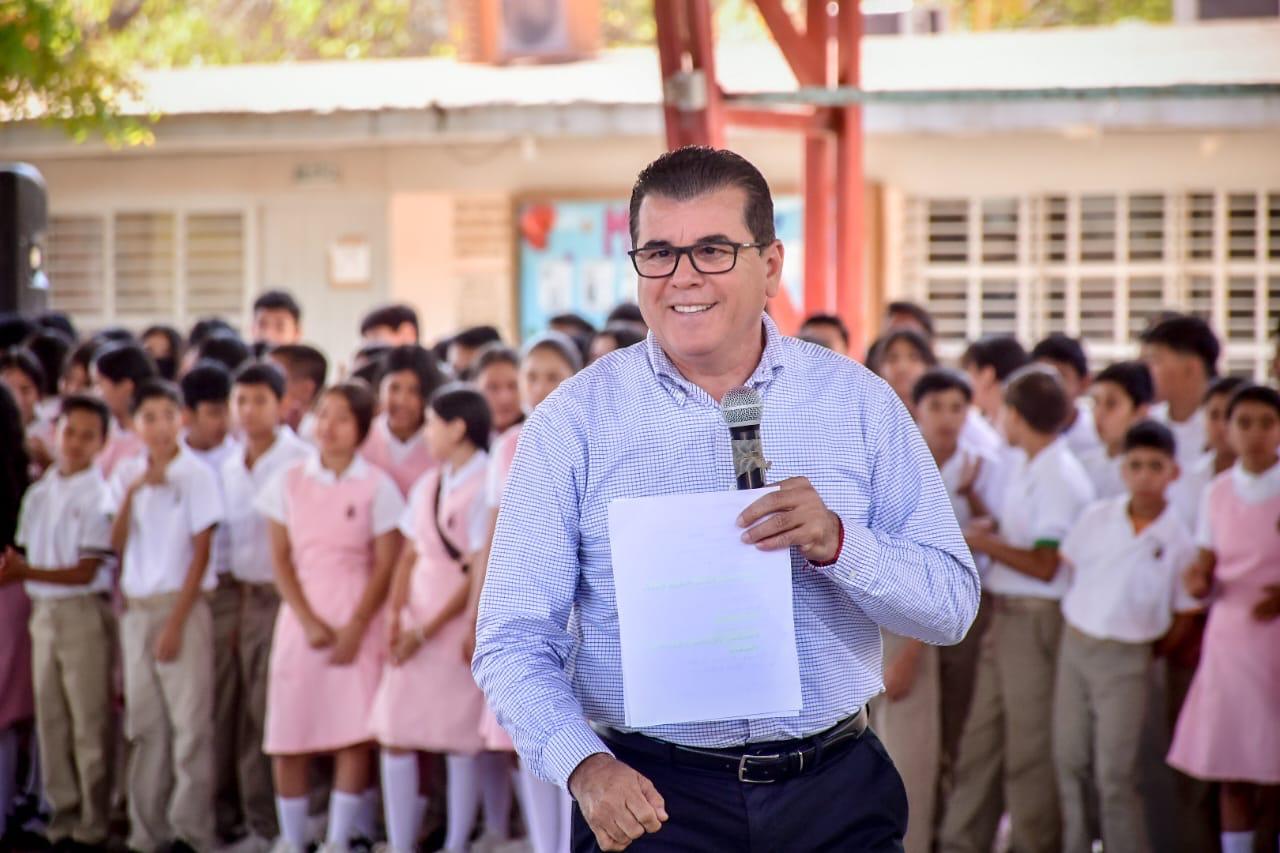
(503, 453)
(431, 701)
(1227, 729)
(313, 705)
(404, 461)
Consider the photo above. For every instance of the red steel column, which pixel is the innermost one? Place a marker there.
(850, 225)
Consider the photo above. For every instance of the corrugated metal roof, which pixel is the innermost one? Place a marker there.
(1128, 55)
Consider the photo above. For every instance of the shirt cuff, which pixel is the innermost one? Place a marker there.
(568, 748)
(855, 565)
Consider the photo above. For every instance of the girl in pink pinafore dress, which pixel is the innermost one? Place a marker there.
(1229, 727)
(395, 442)
(427, 700)
(334, 521)
(547, 362)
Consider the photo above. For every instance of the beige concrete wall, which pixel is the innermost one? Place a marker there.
(407, 200)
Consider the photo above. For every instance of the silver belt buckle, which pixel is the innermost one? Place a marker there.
(742, 769)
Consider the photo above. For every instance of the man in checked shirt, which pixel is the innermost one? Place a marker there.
(862, 509)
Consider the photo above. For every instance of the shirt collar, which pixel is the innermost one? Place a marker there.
(71, 480)
(772, 360)
(384, 432)
(477, 463)
(316, 470)
(1256, 487)
(1047, 457)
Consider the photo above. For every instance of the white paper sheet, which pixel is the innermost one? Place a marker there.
(706, 621)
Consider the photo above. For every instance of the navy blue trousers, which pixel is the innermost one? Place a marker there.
(853, 802)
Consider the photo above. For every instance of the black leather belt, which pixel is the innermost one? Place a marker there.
(756, 764)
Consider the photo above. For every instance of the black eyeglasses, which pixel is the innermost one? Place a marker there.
(709, 258)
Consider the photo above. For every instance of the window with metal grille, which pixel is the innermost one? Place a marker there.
(1102, 266)
(134, 267)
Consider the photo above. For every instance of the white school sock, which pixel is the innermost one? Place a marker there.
(495, 785)
(463, 787)
(366, 823)
(400, 799)
(541, 802)
(1237, 842)
(291, 812)
(343, 808)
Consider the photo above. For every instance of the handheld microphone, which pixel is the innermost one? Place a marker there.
(742, 409)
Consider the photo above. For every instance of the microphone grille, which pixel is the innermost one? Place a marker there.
(742, 406)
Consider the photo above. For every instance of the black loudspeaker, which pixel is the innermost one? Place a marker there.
(24, 218)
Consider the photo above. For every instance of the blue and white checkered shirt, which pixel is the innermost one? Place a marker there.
(547, 651)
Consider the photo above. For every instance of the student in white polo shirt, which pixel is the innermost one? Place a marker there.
(1126, 555)
(269, 447)
(1006, 751)
(167, 505)
(1182, 352)
(1122, 395)
(1066, 355)
(66, 532)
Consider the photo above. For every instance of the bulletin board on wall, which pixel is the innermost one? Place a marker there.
(572, 257)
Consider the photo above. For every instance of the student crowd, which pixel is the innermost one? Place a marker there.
(239, 584)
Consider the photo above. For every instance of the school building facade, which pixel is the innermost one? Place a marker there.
(1034, 181)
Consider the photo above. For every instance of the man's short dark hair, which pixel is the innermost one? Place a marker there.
(696, 170)
(1131, 377)
(25, 361)
(208, 382)
(476, 337)
(87, 403)
(1251, 393)
(155, 388)
(1037, 395)
(261, 373)
(1224, 386)
(916, 312)
(390, 317)
(1062, 349)
(1151, 435)
(227, 349)
(303, 362)
(417, 360)
(830, 320)
(1187, 335)
(278, 300)
(1002, 353)
(939, 379)
(205, 328)
(625, 312)
(121, 361)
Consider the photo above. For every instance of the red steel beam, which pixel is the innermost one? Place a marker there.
(795, 47)
(850, 224)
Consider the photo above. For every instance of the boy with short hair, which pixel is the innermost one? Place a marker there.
(1066, 355)
(166, 507)
(66, 533)
(391, 324)
(206, 420)
(928, 688)
(1122, 395)
(277, 319)
(1006, 750)
(1126, 554)
(304, 368)
(268, 448)
(118, 370)
(989, 362)
(1182, 352)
